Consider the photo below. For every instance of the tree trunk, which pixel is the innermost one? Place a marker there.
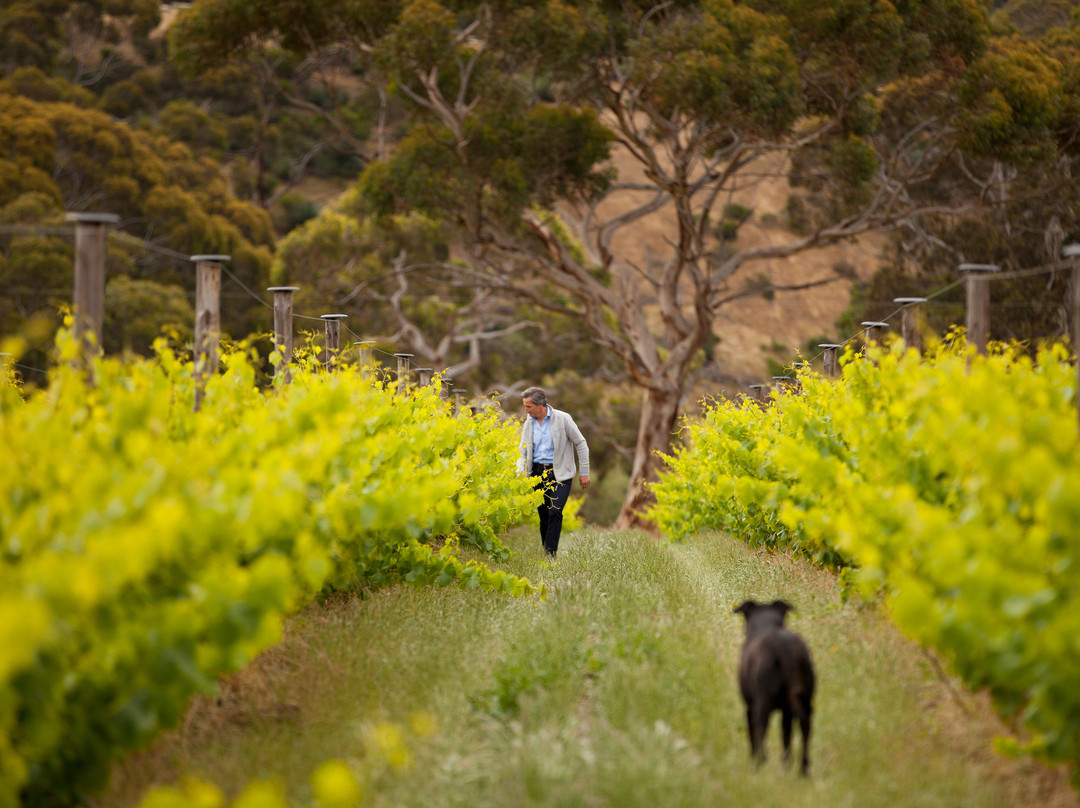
(659, 411)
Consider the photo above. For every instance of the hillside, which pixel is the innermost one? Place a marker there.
(758, 328)
(754, 329)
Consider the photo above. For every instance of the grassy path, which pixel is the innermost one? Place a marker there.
(619, 690)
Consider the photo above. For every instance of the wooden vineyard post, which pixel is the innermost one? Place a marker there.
(424, 374)
(458, 393)
(1072, 252)
(447, 387)
(207, 320)
(797, 368)
(332, 348)
(873, 331)
(785, 383)
(283, 332)
(909, 321)
(759, 392)
(978, 303)
(366, 358)
(89, 294)
(828, 359)
(403, 371)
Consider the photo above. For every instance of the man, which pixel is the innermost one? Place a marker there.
(549, 440)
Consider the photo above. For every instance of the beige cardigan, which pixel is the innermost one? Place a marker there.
(567, 438)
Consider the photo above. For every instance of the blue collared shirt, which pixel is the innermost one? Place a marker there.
(543, 444)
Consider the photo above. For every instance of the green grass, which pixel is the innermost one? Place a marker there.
(618, 690)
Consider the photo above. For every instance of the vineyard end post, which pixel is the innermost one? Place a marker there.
(873, 330)
(332, 339)
(458, 393)
(910, 330)
(366, 357)
(828, 359)
(283, 333)
(977, 323)
(207, 320)
(89, 292)
(403, 371)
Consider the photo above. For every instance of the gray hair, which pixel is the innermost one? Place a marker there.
(536, 394)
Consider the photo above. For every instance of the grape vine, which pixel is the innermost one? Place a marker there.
(949, 484)
(145, 549)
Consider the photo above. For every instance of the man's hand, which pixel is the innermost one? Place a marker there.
(585, 480)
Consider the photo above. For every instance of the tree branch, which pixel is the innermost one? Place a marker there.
(782, 287)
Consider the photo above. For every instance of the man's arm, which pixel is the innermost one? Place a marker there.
(582, 449)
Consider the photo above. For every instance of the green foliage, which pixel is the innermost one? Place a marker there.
(731, 64)
(734, 216)
(561, 147)
(336, 252)
(124, 99)
(185, 122)
(77, 157)
(293, 211)
(951, 484)
(1032, 17)
(761, 283)
(161, 547)
(557, 35)
(545, 153)
(1012, 99)
(421, 38)
(35, 84)
(1024, 230)
(28, 33)
(137, 312)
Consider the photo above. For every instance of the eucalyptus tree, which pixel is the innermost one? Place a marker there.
(81, 39)
(514, 108)
(57, 157)
(376, 272)
(1019, 130)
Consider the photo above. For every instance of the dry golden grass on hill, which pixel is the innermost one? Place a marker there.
(754, 329)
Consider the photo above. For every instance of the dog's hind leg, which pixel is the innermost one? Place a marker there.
(757, 719)
(752, 732)
(785, 727)
(804, 726)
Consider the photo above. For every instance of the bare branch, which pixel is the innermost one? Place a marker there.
(340, 127)
(393, 273)
(297, 172)
(606, 232)
(780, 287)
(102, 69)
(499, 332)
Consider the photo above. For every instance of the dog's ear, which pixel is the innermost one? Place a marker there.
(745, 608)
(782, 606)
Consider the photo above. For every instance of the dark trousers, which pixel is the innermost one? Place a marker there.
(551, 509)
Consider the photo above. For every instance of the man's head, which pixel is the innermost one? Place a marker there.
(535, 401)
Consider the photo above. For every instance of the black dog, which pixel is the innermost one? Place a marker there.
(775, 673)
